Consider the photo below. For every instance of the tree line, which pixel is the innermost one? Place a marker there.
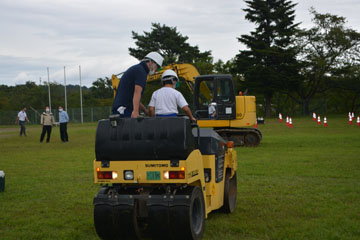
(288, 68)
(35, 96)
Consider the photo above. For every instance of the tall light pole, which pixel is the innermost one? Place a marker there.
(65, 90)
(81, 108)
(49, 88)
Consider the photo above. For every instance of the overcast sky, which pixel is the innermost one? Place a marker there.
(36, 34)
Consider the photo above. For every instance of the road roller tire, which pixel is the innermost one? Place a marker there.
(242, 137)
(188, 222)
(251, 139)
(230, 192)
(113, 221)
(159, 224)
(140, 223)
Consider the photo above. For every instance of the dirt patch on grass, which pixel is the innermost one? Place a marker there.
(6, 135)
(5, 130)
(8, 132)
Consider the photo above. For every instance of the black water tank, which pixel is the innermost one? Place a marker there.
(143, 139)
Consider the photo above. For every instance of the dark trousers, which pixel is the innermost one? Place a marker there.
(46, 129)
(63, 132)
(22, 128)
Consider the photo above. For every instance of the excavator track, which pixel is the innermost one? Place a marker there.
(155, 214)
(242, 137)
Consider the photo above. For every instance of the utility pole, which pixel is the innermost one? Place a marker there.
(81, 108)
(65, 90)
(49, 88)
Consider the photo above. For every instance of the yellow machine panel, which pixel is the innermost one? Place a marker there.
(194, 176)
(210, 123)
(245, 112)
(141, 169)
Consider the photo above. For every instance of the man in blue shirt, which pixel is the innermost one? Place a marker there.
(63, 120)
(132, 85)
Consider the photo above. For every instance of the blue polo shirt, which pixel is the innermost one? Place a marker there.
(135, 75)
(63, 117)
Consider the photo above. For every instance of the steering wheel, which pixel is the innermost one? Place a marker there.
(199, 115)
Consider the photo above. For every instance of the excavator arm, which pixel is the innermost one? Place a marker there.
(184, 70)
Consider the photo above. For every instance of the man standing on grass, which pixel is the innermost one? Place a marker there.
(21, 121)
(63, 119)
(47, 120)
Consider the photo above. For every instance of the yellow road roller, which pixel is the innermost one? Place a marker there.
(160, 178)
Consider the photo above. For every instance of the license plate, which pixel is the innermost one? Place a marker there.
(153, 175)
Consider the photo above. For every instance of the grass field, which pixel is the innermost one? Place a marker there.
(300, 183)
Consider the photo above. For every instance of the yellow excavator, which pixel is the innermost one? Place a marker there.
(235, 115)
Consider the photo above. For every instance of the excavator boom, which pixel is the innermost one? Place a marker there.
(184, 70)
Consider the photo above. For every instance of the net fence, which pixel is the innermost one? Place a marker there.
(91, 114)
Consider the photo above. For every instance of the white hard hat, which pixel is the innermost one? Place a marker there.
(169, 75)
(156, 57)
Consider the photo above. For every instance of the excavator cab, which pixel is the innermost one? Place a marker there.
(215, 92)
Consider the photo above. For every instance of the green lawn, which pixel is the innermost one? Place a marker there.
(300, 183)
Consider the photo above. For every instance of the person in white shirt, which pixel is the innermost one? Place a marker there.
(212, 110)
(165, 101)
(21, 117)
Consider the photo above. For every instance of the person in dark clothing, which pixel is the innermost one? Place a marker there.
(47, 120)
(63, 120)
(132, 85)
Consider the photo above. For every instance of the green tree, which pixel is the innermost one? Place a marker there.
(175, 49)
(102, 88)
(269, 64)
(4, 97)
(172, 46)
(228, 67)
(329, 55)
(345, 96)
(35, 96)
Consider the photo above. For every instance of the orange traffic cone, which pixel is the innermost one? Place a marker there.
(352, 115)
(358, 121)
(319, 120)
(290, 123)
(350, 120)
(325, 122)
(314, 116)
(287, 121)
(280, 118)
(256, 125)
